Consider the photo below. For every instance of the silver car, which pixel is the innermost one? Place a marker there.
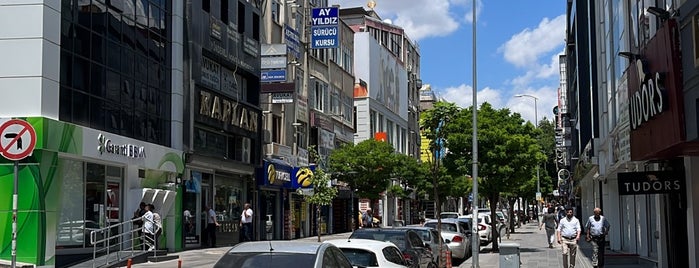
(457, 235)
(263, 254)
(431, 238)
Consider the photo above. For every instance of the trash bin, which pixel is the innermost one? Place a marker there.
(509, 255)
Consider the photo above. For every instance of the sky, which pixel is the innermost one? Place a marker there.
(517, 48)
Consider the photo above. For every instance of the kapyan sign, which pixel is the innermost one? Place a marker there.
(651, 182)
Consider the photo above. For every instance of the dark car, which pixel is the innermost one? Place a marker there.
(431, 238)
(415, 252)
(263, 254)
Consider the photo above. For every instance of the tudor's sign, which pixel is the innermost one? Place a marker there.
(651, 182)
(650, 100)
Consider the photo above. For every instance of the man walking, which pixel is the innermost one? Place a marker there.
(246, 223)
(211, 224)
(597, 228)
(368, 219)
(550, 222)
(568, 236)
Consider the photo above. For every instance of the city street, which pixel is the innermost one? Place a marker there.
(534, 253)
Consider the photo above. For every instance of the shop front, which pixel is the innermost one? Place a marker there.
(274, 181)
(80, 179)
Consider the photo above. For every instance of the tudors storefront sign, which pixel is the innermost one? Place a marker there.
(650, 100)
(227, 112)
(651, 182)
(105, 145)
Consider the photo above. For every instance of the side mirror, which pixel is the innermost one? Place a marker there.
(447, 241)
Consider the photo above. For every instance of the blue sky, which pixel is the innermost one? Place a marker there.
(518, 43)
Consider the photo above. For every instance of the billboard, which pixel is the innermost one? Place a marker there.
(384, 78)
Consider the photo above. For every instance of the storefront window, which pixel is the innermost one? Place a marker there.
(228, 203)
(71, 230)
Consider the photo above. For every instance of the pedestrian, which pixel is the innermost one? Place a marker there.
(368, 219)
(157, 224)
(138, 222)
(148, 229)
(568, 236)
(211, 224)
(550, 222)
(597, 228)
(246, 223)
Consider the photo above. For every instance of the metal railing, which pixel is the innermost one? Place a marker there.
(122, 238)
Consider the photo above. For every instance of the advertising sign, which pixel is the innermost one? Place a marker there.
(651, 182)
(282, 98)
(325, 30)
(292, 41)
(273, 76)
(210, 73)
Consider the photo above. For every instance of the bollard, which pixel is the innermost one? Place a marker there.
(179, 263)
(128, 263)
(448, 262)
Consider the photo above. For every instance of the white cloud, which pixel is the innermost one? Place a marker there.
(462, 95)
(543, 71)
(469, 15)
(526, 47)
(419, 18)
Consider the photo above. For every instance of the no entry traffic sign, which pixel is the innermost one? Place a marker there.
(17, 139)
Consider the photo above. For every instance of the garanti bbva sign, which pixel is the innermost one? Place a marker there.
(651, 182)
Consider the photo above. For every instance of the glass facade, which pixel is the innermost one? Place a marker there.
(115, 67)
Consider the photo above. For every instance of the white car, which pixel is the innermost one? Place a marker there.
(370, 253)
(484, 229)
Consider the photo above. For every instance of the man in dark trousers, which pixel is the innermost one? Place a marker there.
(597, 228)
(368, 219)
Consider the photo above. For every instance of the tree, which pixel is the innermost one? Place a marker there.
(508, 151)
(323, 192)
(367, 166)
(547, 140)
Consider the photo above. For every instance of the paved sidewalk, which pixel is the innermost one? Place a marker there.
(534, 251)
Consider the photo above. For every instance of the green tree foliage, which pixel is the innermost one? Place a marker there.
(367, 166)
(411, 175)
(507, 151)
(547, 140)
(323, 192)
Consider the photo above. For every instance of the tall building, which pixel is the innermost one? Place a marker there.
(386, 95)
(222, 116)
(307, 103)
(102, 86)
(642, 161)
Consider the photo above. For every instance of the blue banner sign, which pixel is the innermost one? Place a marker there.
(325, 29)
(293, 45)
(273, 76)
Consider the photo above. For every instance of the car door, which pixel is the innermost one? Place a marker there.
(424, 257)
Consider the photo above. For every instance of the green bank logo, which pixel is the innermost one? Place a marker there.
(105, 145)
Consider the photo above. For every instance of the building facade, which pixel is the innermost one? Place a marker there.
(641, 165)
(97, 83)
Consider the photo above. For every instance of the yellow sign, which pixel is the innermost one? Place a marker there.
(304, 177)
(271, 173)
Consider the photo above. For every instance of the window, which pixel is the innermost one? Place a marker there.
(276, 128)
(276, 8)
(393, 255)
(224, 11)
(695, 35)
(320, 95)
(206, 5)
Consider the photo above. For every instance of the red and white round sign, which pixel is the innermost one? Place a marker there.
(17, 139)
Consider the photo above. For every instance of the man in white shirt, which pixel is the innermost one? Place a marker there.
(211, 224)
(246, 223)
(597, 228)
(568, 236)
(149, 228)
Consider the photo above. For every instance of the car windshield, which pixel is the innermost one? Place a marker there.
(360, 257)
(265, 259)
(448, 227)
(394, 237)
(449, 215)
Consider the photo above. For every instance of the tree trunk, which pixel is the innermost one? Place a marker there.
(318, 221)
(511, 201)
(493, 198)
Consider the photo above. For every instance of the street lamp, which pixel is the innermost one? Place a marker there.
(536, 125)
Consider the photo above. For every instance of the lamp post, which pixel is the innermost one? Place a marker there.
(536, 125)
(475, 247)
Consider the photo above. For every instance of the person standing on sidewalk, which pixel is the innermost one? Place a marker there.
(550, 222)
(597, 228)
(246, 223)
(568, 236)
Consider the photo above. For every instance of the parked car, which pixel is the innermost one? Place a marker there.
(283, 253)
(431, 237)
(500, 224)
(370, 253)
(415, 252)
(457, 234)
(484, 229)
(448, 215)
